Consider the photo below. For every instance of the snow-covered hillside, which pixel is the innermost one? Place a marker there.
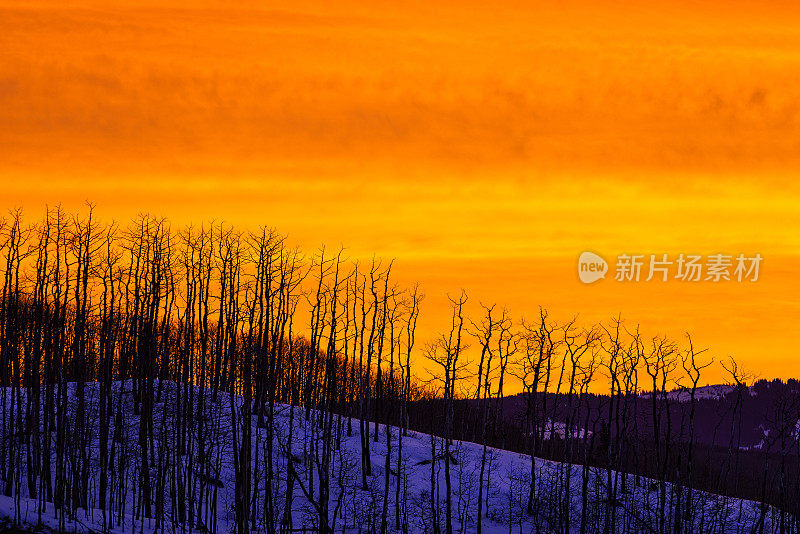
(205, 475)
(716, 391)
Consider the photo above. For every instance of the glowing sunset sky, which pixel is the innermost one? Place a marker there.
(483, 147)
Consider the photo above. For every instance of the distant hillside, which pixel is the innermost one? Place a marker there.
(714, 411)
(745, 440)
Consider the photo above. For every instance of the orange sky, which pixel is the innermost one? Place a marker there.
(483, 147)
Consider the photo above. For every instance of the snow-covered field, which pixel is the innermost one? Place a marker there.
(208, 477)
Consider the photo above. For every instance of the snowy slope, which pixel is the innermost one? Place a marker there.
(718, 391)
(558, 486)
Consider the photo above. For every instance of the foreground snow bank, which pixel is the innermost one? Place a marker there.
(192, 466)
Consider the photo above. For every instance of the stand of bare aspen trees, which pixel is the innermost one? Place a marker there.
(129, 352)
